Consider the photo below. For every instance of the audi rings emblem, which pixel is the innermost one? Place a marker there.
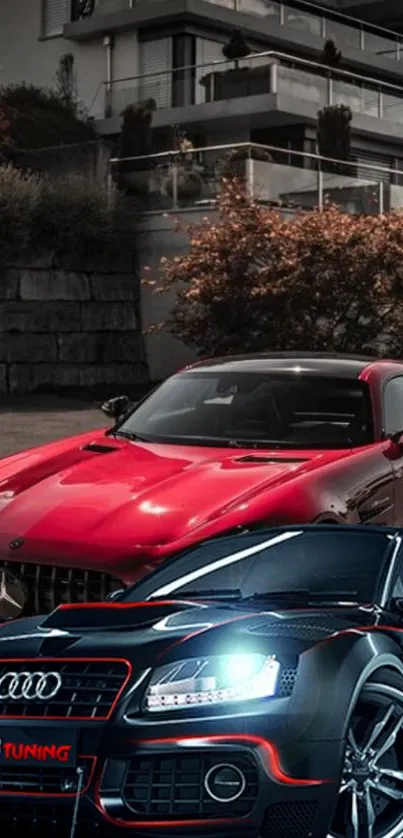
(29, 686)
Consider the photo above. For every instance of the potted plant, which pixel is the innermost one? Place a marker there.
(334, 135)
(237, 81)
(236, 48)
(331, 56)
(136, 141)
(182, 171)
(230, 82)
(233, 163)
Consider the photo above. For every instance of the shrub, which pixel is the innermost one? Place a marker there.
(253, 281)
(20, 198)
(38, 117)
(67, 214)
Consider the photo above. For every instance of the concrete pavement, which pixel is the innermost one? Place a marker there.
(27, 422)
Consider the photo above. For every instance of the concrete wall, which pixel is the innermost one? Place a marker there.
(156, 238)
(70, 327)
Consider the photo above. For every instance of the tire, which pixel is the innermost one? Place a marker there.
(370, 802)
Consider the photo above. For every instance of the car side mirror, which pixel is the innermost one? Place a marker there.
(117, 407)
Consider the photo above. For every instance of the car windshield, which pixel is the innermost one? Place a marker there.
(254, 409)
(336, 563)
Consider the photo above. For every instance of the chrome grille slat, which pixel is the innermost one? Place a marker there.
(48, 586)
(88, 691)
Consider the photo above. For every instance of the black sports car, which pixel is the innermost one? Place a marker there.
(250, 687)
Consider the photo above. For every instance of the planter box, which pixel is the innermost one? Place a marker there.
(231, 84)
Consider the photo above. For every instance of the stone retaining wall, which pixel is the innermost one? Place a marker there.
(71, 327)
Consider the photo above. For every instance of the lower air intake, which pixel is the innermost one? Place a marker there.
(164, 786)
(44, 819)
(293, 819)
(34, 780)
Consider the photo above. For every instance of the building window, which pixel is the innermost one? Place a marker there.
(208, 52)
(183, 75)
(156, 71)
(55, 14)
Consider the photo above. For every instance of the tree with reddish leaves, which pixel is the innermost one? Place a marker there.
(253, 280)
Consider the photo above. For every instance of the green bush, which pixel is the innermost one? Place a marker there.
(20, 199)
(38, 118)
(66, 214)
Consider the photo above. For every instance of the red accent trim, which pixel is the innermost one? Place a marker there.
(87, 605)
(58, 794)
(272, 764)
(271, 760)
(72, 660)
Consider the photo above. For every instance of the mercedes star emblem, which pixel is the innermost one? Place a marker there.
(12, 596)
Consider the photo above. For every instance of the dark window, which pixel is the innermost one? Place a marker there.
(397, 589)
(350, 564)
(393, 405)
(255, 409)
(183, 80)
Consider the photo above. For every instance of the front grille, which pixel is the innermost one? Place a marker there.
(294, 818)
(173, 787)
(89, 688)
(36, 818)
(25, 779)
(48, 586)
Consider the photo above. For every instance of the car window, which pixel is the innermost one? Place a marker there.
(393, 405)
(255, 408)
(397, 587)
(329, 560)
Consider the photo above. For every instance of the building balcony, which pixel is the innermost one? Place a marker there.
(287, 180)
(265, 89)
(299, 16)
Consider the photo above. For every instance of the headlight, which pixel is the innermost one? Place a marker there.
(212, 680)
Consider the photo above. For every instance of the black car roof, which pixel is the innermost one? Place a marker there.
(321, 364)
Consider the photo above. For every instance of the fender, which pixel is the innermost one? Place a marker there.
(330, 678)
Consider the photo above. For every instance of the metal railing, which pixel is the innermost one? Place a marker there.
(268, 72)
(289, 180)
(323, 22)
(313, 19)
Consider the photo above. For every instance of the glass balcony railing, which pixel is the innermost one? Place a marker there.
(262, 73)
(288, 180)
(301, 16)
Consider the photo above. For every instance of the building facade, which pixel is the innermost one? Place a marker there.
(126, 51)
(129, 50)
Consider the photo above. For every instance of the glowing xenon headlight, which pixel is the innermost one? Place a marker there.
(212, 680)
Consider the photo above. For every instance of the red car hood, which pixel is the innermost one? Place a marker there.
(114, 499)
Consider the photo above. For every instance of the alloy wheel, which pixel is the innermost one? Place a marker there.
(370, 802)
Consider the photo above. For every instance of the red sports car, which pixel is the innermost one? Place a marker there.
(224, 446)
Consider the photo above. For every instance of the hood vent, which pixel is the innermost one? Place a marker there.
(99, 448)
(110, 615)
(260, 458)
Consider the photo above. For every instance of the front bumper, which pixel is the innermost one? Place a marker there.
(157, 788)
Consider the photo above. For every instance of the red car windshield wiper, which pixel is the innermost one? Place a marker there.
(129, 435)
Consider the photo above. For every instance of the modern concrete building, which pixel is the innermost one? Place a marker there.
(128, 50)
